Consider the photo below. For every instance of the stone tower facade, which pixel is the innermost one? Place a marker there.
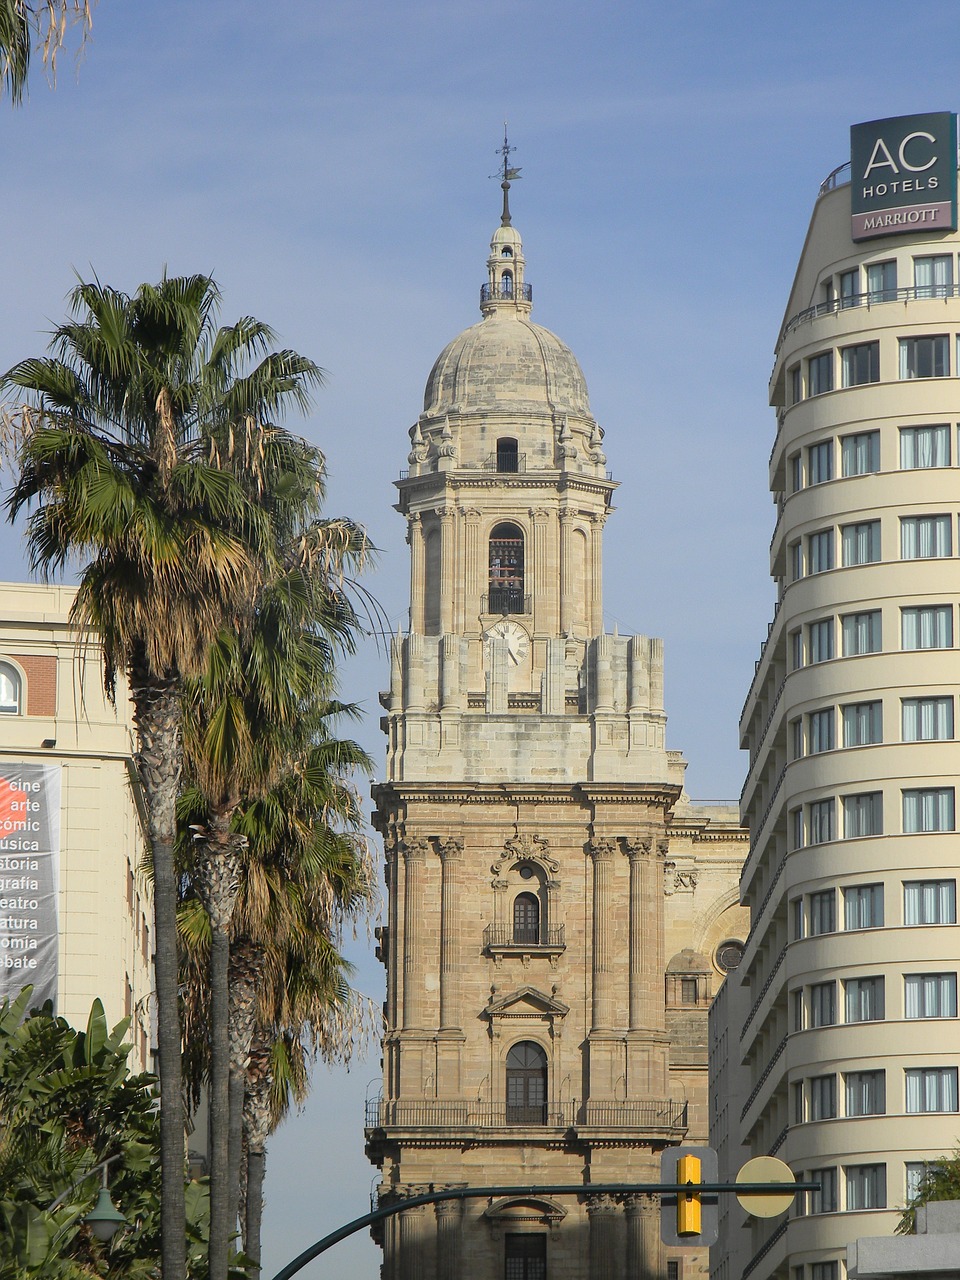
(559, 912)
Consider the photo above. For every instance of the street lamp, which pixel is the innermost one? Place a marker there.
(104, 1219)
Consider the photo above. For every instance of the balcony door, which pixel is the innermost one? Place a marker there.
(526, 1084)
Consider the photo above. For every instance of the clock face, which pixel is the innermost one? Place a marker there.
(518, 642)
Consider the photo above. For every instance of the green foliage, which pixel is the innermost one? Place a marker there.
(941, 1181)
(67, 1103)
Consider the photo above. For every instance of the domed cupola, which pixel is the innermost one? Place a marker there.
(506, 377)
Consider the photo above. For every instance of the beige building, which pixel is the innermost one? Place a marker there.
(560, 914)
(849, 1036)
(74, 907)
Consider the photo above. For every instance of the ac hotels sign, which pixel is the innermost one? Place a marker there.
(903, 174)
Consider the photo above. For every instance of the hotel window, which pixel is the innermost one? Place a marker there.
(924, 357)
(796, 650)
(796, 473)
(863, 815)
(865, 1093)
(861, 633)
(796, 828)
(11, 690)
(915, 1171)
(863, 999)
(824, 1271)
(928, 809)
(823, 912)
(860, 453)
(797, 909)
(824, 1200)
(933, 276)
(922, 447)
(930, 995)
(796, 385)
(823, 1004)
(823, 1097)
(820, 462)
(927, 719)
(796, 737)
(797, 997)
(931, 1089)
(860, 364)
(797, 1102)
(860, 543)
(820, 551)
(675, 1269)
(822, 821)
(866, 1186)
(820, 373)
(927, 627)
(850, 288)
(820, 731)
(820, 640)
(863, 906)
(796, 561)
(882, 282)
(924, 537)
(929, 902)
(862, 724)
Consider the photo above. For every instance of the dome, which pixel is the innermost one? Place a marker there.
(506, 362)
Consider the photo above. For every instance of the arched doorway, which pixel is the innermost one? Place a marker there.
(526, 918)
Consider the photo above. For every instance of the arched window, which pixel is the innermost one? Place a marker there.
(526, 1084)
(11, 690)
(506, 570)
(506, 284)
(506, 252)
(508, 459)
(526, 918)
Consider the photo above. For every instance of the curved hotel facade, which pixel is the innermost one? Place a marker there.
(848, 1040)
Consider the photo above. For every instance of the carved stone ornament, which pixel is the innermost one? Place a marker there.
(565, 446)
(415, 850)
(596, 448)
(685, 880)
(448, 447)
(669, 878)
(663, 847)
(640, 846)
(452, 848)
(523, 848)
(601, 1205)
(601, 848)
(420, 449)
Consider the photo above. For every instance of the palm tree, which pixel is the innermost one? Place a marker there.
(305, 869)
(46, 21)
(147, 443)
(243, 716)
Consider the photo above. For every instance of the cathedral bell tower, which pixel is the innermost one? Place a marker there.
(525, 820)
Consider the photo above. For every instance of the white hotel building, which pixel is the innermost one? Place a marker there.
(848, 1039)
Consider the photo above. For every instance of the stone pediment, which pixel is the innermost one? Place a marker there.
(526, 1001)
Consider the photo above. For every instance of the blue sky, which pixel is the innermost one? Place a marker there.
(329, 164)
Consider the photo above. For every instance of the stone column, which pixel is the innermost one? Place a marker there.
(451, 853)
(567, 585)
(414, 859)
(447, 567)
(474, 571)
(602, 853)
(449, 1239)
(602, 1213)
(637, 851)
(595, 603)
(643, 1238)
(417, 571)
(539, 581)
(413, 1230)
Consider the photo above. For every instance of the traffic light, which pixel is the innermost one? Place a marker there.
(688, 1218)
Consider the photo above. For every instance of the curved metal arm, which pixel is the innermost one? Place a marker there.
(80, 1181)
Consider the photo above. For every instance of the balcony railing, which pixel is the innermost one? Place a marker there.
(502, 935)
(504, 461)
(506, 292)
(871, 298)
(465, 1113)
(505, 600)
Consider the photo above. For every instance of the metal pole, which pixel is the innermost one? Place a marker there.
(578, 1189)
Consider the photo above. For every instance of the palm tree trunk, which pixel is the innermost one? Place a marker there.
(256, 1127)
(246, 965)
(157, 719)
(256, 1172)
(218, 885)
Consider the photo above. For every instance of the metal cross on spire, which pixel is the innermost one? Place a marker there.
(507, 174)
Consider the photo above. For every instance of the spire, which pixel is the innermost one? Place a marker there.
(507, 174)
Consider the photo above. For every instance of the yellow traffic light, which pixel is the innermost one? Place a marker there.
(688, 1202)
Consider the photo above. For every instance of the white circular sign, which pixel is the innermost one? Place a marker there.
(766, 1169)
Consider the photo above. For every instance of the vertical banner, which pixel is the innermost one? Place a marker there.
(29, 878)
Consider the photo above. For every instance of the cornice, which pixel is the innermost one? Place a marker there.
(542, 793)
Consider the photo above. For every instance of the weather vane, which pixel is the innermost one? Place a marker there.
(506, 174)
